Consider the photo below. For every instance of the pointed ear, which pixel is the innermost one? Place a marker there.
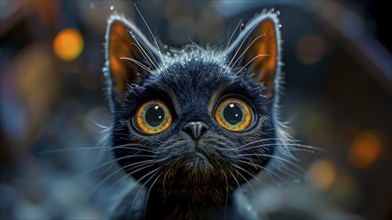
(129, 56)
(256, 51)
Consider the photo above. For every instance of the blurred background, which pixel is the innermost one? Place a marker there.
(337, 97)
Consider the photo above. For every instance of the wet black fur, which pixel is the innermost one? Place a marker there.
(186, 186)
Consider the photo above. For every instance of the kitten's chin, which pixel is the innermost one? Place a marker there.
(198, 163)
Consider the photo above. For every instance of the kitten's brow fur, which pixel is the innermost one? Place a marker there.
(191, 81)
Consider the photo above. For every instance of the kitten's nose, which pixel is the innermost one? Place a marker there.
(195, 128)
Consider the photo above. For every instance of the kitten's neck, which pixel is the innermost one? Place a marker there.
(185, 208)
(135, 206)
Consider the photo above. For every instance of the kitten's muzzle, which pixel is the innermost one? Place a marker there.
(195, 129)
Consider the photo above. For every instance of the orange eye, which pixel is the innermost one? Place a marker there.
(153, 117)
(233, 114)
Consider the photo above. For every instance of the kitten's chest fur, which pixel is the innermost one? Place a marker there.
(159, 207)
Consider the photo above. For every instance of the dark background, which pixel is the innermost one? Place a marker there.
(337, 97)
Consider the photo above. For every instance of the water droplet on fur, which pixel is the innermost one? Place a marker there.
(165, 46)
(278, 13)
(183, 63)
(111, 7)
(279, 25)
(167, 53)
(242, 24)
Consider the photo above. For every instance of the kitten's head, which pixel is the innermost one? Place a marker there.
(198, 122)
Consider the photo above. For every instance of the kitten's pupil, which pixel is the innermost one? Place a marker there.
(232, 113)
(155, 116)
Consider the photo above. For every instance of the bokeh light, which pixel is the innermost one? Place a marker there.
(179, 14)
(68, 44)
(322, 174)
(365, 150)
(311, 48)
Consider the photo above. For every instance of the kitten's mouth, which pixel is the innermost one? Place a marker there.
(198, 162)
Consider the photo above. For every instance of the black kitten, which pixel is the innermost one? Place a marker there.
(193, 126)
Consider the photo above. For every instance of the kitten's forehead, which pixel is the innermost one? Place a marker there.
(193, 82)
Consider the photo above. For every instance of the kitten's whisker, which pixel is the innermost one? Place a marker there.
(297, 149)
(245, 179)
(117, 171)
(141, 148)
(72, 149)
(129, 167)
(236, 180)
(272, 139)
(290, 141)
(273, 156)
(305, 147)
(164, 180)
(296, 146)
(149, 191)
(217, 143)
(128, 175)
(227, 194)
(115, 160)
(289, 172)
(247, 172)
(270, 172)
(152, 173)
(77, 149)
(259, 147)
(226, 149)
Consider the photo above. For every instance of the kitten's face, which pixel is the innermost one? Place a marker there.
(200, 122)
(191, 96)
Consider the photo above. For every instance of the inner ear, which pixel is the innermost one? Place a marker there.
(257, 51)
(120, 45)
(130, 56)
(265, 52)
